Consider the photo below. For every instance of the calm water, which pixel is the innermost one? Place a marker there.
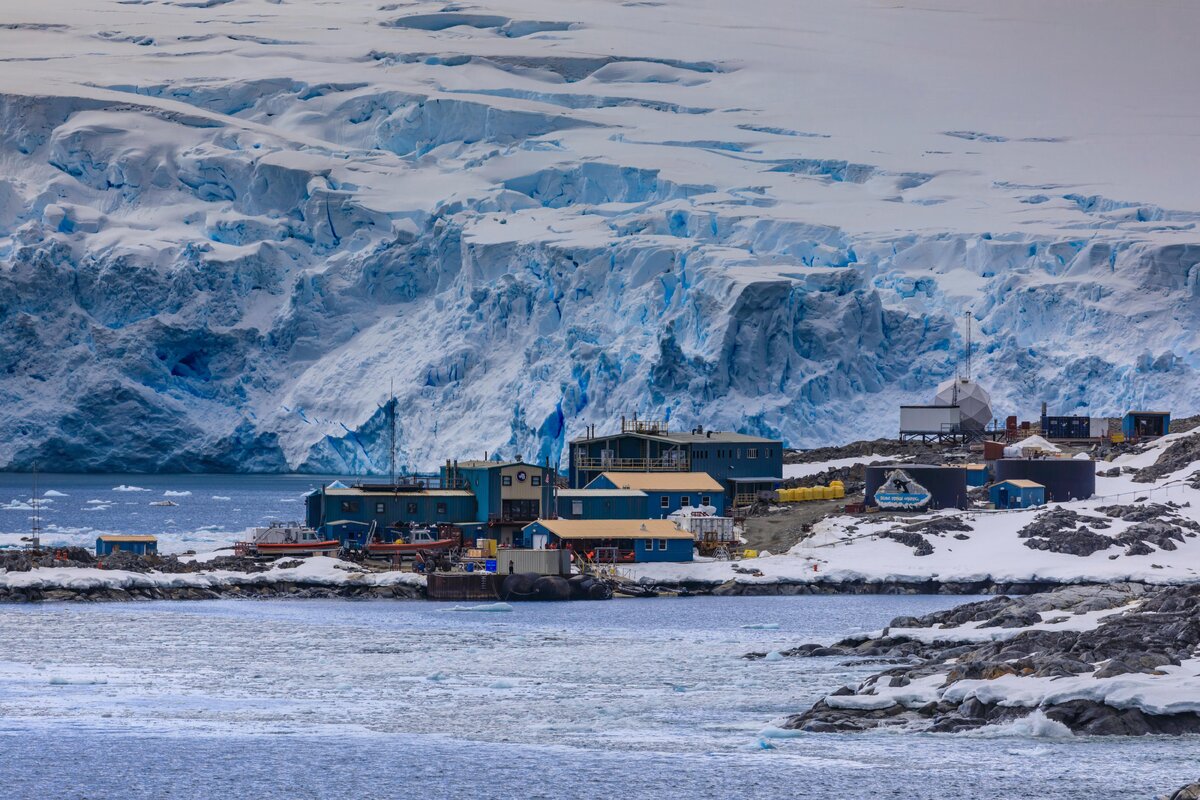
(212, 510)
(625, 699)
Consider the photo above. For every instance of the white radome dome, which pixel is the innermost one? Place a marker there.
(972, 399)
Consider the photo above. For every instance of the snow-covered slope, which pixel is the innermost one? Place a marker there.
(226, 226)
(992, 547)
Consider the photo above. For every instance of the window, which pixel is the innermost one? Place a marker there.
(685, 501)
(536, 480)
(577, 508)
(412, 508)
(441, 508)
(506, 480)
(752, 452)
(768, 452)
(662, 544)
(664, 502)
(380, 508)
(706, 500)
(349, 506)
(649, 544)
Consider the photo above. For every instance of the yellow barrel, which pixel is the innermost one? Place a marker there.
(785, 495)
(826, 492)
(837, 483)
(839, 491)
(806, 493)
(749, 554)
(792, 495)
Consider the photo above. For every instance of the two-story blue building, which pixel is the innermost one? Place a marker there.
(740, 463)
(667, 492)
(508, 494)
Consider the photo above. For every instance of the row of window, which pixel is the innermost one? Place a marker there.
(351, 507)
(662, 544)
(506, 480)
(750, 452)
(685, 501)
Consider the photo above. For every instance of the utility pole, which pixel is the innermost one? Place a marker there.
(392, 406)
(36, 532)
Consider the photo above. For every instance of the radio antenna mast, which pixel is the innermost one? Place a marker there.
(36, 519)
(969, 315)
(392, 407)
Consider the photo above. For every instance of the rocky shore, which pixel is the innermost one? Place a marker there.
(1100, 660)
(75, 575)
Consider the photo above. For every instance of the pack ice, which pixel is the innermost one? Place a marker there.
(227, 227)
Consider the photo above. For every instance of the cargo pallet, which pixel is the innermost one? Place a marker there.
(463, 585)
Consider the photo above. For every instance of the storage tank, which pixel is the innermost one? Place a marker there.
(1064, 478)
(915, 487)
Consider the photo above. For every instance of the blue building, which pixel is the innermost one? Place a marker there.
(486, 499)
(1146, 424)
(603, 504)
(977, 474)
(644, 446)
(508, 494)
(613, 540)
(1017, 493)
(138, 545)
(667, 491)
(349, 512)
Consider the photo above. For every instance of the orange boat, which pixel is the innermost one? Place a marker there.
(417, 540)
(287, 538)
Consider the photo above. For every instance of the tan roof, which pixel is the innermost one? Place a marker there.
(600, 493)
(1024, 484)
(614, 528)
(112, 538)
(352, 492)
(664, 481)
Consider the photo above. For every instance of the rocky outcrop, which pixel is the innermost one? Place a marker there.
(946, 674)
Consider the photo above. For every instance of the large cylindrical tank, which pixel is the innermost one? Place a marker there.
(1064, 478)
(946, 486)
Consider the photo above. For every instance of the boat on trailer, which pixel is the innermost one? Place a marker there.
(287, 539)
(412, 541)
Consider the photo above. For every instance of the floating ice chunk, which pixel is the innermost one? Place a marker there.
(487, 607)
(502, 684)
(124, 488)
(16, 505)
(437, 677)
(778, 733)
(762, 626)
(99, 502)
(221, 497)
(56, 681)
(170, 493)
(774, 655)
(53, 493)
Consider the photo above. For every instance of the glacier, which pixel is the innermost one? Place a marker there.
(227, 229)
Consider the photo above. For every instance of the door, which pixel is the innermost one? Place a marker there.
(1002, 497)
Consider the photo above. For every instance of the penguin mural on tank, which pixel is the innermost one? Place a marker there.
(900, 492)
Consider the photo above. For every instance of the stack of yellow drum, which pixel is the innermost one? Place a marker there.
(834, 491)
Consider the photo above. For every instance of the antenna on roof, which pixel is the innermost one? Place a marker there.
(970, 316)
(392, 415)
(36, 519)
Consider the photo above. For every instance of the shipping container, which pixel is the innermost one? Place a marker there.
(1066, 427)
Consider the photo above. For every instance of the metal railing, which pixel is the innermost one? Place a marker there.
(673, 464)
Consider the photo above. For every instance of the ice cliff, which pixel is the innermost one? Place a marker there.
(226, 228)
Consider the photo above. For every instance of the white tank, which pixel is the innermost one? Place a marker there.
(971, 398)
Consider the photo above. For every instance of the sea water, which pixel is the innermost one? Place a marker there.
(209, 511)
(384, 699)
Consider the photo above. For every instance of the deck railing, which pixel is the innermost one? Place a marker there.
(674, 464)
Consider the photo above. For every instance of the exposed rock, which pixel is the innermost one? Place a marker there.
(1175, 457)
(1162, 629)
